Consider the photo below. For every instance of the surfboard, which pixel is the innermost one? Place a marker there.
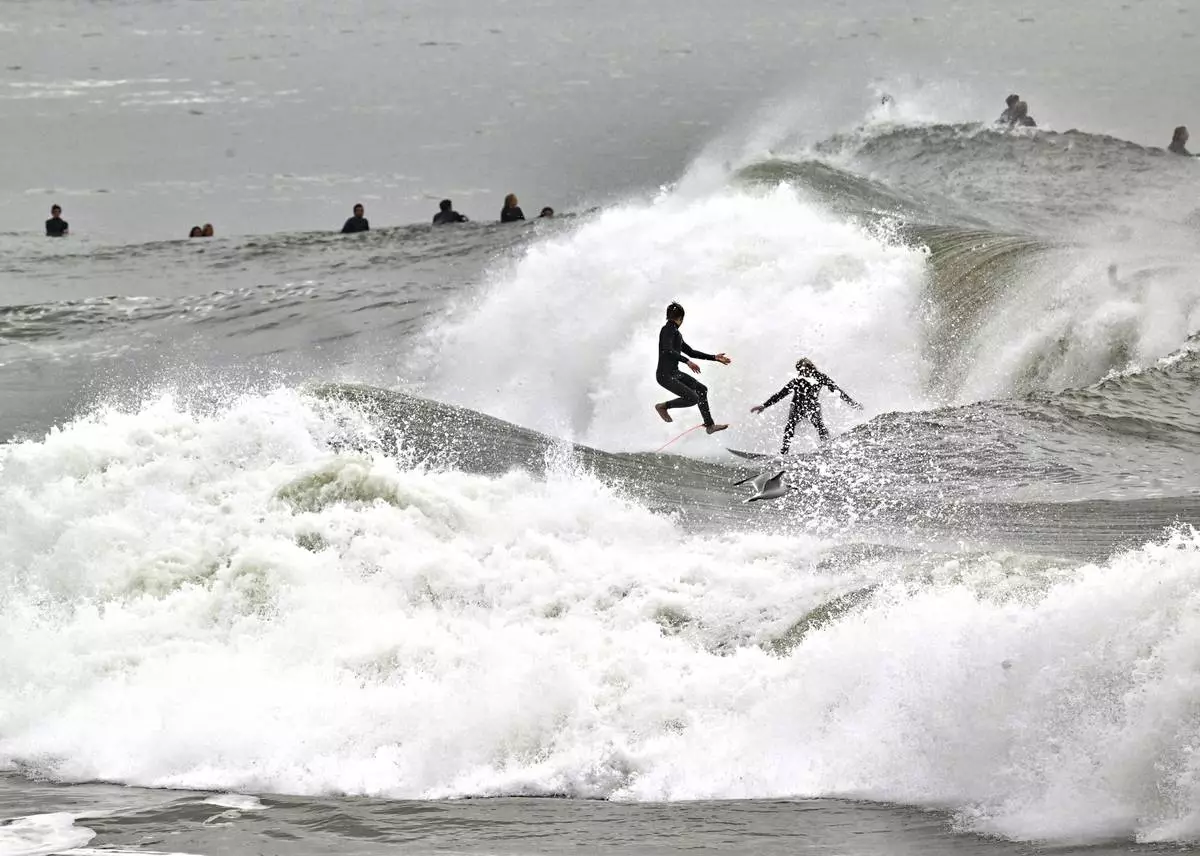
(749, 456)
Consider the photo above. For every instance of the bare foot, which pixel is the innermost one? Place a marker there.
(713, 429)
(662, 411)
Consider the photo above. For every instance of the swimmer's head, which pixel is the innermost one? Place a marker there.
(1011, 100)
(510, 201)
(358, 209)
(445, 205)
(55, 210)
(675, 312)
(804, 364)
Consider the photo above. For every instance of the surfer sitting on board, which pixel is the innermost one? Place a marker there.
(806, 401)
(671, 350)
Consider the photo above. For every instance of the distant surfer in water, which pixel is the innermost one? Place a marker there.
(447, 215)
(56, 226)
(806, 402)
(1007, 118)
(1179, 141)
(671, 350)
(357, 223)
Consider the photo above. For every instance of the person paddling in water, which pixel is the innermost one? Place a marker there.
(671, 351)
(806, 401)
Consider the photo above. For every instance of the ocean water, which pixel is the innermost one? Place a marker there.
(315, 543)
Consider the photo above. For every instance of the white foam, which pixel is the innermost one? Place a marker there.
(42, 834)
(168, 620)
(566, 338)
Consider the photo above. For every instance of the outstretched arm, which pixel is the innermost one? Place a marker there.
(827, 381)
(774, 399)
(824, 380)
(692, 352)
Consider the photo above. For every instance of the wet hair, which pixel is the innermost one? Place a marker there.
(805, 364)
(196, 232)
(1180, 135)
(1020, 109)
(510, 201)
(55, 207)
(674, 312)
(547, 212)
(207, 231)
(358, 205)
(445, 205)
(1012, 99)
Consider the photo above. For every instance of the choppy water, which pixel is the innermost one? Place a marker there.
(315, 543)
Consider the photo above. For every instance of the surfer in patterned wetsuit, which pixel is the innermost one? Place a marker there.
(671, 351)
(806, 401)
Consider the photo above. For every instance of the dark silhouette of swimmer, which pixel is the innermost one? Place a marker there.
(447, 214)
(357, 223)
(546, 212)
(1006, 118)
(1021, 117)
(671, 350)
(56, 226)
(806, 401)
(511, 212)
(1179, 142)
(196, 232)
(207, 231)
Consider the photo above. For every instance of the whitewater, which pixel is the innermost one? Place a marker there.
(214, 601)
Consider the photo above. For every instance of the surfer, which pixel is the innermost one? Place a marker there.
(690, 392)
(56, 226)
(511, 212)
(1006, 118)
(357, 223)
(806, 403)
(1179, 141)
(1021, 117)
(447, 215)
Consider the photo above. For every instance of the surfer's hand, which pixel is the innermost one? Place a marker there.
(695, 368)
(756, 409)
(723, 360)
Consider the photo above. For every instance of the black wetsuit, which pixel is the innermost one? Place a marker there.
(56, 227)
(356, 224)
(671, 351)
(806, 404)
(511, 215)
(444, 218)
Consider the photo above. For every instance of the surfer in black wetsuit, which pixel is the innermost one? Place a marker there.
(1006, 118)
(511, 212)
(357, 223)
(1179, 141)
(1021, 117)
(56, 226)
(671, 350)
(447, 215)
(806, 401)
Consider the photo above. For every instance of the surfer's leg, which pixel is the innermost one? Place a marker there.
(677, 384)
(789, 430)
(700, 391)
(815, 418)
